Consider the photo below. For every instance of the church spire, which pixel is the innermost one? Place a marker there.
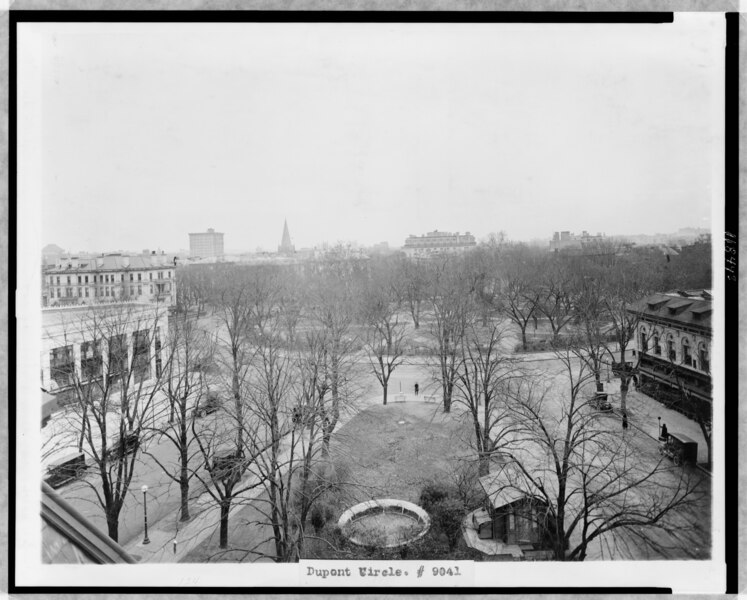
(285, 246)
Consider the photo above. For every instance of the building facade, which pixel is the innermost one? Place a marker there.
(673, 337)
(436, 243)
(208, 244)
(109, 278)
(83, 344)
(565, 240)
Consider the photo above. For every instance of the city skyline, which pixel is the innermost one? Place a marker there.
(113, 248)
(373, 133)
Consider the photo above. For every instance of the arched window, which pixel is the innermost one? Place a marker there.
(657, 343)
(671, 352)
(687, 357)
(703, 357)
(644, 341)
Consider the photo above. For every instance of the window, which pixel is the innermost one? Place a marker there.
(121, 277)
(141, 355)
(68, 279)
(132, 276)
(140, 290)
(69, 292)
(80, 279)
(117, 355)
(139, 276)
(51, 292)
(687, 357)
(169, 274)
(91, 361)
(671, 352)
(58, 281)
(86, 292)
(151, 289)
(107, 290)
(150, 276)
(705, 364)
(62, 366)
(657, 345)
(644, 341)
(86, 278)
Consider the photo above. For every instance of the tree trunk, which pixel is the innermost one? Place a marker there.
(184, 488)
(524, 336)
(225, 506)
(447, 397)
(483, 465)
(385, 393)
(623, 394)
(112, 525)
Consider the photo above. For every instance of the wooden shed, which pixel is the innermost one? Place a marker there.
(516, 517)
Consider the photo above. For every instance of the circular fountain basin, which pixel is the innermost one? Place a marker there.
(384, 523)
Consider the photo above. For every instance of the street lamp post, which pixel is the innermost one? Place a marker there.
(659, 426)
(144, 489)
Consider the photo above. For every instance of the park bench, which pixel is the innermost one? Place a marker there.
(399, 397)
(429, 398)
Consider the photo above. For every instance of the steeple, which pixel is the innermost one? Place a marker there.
(285, 246)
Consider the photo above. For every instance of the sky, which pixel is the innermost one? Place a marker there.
(369, 132)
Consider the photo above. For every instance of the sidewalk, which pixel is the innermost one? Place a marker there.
(205, 520)
(644, 413)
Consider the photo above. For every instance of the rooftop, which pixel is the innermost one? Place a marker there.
(688, 307)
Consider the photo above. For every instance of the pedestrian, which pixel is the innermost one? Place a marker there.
(664, 433)
(417, 388)
(625, 422)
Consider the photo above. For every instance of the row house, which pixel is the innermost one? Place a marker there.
(110, 278)
(673, 335)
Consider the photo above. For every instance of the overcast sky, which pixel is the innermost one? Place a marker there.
(370, 132)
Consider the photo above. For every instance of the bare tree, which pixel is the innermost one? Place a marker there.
(411, 285)
(333, 298)
(112, 392)
(452, 308)
(185, 385)
(385, 334)
(483, 373)
(287, 403)
(520, 292)
(586, 482)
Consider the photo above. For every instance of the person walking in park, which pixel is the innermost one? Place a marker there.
(664, 434)
(417, 389)
(625, 422)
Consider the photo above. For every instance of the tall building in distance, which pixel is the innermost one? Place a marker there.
(285, 246)
(206, 245)
(438, 242)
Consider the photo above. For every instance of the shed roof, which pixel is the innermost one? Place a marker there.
(499, 492)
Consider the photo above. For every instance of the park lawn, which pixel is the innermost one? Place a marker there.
(374, 457)
(381, 457)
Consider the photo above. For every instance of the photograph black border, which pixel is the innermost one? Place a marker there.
(387, 16)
